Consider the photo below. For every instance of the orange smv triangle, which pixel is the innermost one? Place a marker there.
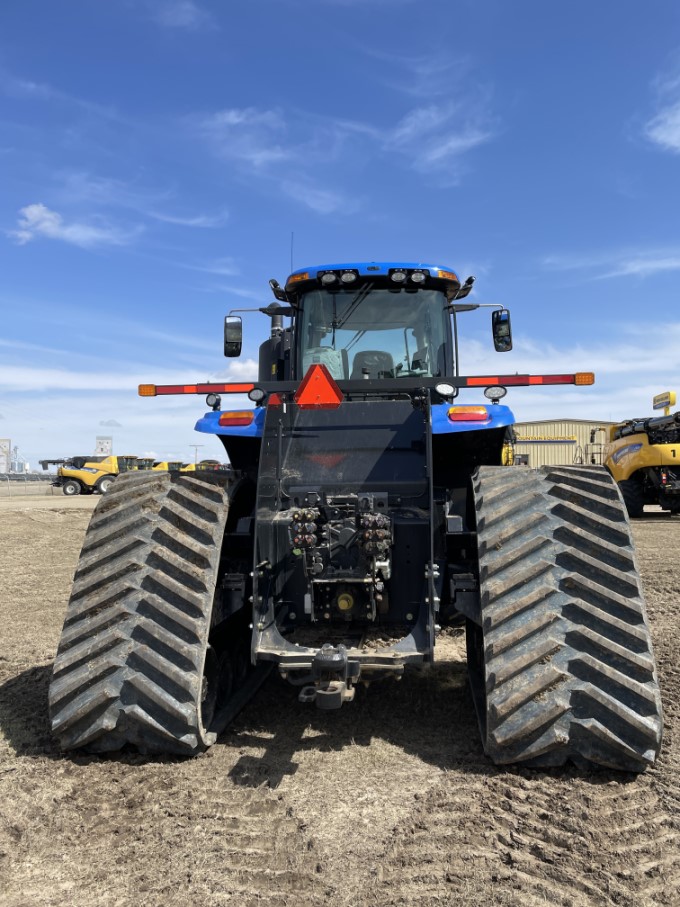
(318, 390)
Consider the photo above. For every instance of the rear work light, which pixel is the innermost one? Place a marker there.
(468, 414)
(237, 417)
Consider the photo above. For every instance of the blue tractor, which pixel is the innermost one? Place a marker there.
(365, 510)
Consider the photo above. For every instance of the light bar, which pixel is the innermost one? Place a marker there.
(158, 390)
(525, 380)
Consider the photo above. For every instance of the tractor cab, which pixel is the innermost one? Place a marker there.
(380, 329)
(371, 321)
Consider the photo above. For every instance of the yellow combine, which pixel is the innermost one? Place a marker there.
(168, 465)
(89, 475)
(643, 457)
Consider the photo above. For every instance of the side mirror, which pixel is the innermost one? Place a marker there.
(502, 334)
(233, 336)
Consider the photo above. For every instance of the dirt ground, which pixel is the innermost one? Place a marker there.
(388, 802)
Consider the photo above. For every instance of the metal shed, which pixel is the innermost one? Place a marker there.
(561, 442)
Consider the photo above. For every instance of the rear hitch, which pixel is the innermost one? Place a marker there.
(333, 675)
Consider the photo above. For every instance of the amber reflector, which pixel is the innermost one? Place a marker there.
(147, 390)
(468, 414)
(584, 378)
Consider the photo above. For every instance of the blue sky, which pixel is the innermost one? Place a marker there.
(157, 155)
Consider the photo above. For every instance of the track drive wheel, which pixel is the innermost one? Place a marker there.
(633, 497)
(562, 667)
(134, 664)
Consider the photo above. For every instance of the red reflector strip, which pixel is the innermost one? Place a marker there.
(237, 417)
(519, 380)
(203, 388)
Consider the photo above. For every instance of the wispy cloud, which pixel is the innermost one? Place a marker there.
(663, 129)
(150, 203)
(621, 263)
(435, 74)
(299, 153)
(33, 347)
(202, 221)
(241, 292)
(38, 221)
(247, 135)
(436, 137)
(261, 142)
(222, 267)
(454, 114)
(318, 198)
(25, 378)
(26, 89)
(182, 14)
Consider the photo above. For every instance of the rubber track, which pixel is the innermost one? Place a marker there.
(129, 666)
(568, 667)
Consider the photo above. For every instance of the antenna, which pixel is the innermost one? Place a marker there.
(292, 237)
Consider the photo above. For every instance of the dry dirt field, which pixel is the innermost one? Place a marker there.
(388, 802)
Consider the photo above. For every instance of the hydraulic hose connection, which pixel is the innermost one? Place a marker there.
(303, 528)
(376, 533)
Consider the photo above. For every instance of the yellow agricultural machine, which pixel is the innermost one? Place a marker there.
(89, 475)
(643, 457)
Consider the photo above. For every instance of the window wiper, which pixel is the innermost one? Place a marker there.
(354, 304)
(355, 339)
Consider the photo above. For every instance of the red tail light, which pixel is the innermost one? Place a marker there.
(237, 417)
